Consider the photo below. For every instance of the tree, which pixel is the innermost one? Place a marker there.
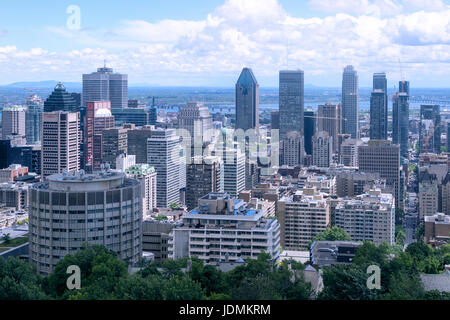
(182, 288)
(6, 238)
(400, 235)
(160, 217)
(19, 281)
(173, 205)
(343, 282)
(331, 234)
(399, 216)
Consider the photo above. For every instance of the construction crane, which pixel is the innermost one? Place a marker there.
(31, 90)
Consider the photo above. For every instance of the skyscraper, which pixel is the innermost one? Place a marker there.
(378, 115)
(350, 101)
(291, 102)
(106, 85)
(33, 116)
(310, 129)
(163, 153)
(322, 149)
(98, 117)
(329, 119)
(400, 121)
(275, 120)
(60, 100)
(293, 149)
(13, 121)
(115, 143)
(205, 175)
(380, 83)
(197, 120)
(234, 171)
(247, 101)
(430, 129)
(146, 175)
(61, 139)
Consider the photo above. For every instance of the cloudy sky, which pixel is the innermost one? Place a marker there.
(207, 42)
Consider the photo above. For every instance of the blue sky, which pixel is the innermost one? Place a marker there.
(185, 43)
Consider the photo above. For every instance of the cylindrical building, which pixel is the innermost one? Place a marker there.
(70, 209)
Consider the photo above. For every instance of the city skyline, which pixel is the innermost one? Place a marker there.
(209, 45)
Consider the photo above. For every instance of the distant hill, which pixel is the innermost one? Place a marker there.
(42, 84)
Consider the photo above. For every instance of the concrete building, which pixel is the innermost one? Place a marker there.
(106, 85)
(155, 238)
(351, 183)
(234, 171)
(428, 194)
(350, 102)
(224, 228)
(291, 102)
(12, 172)
(330, 253)
(163, 153)
(302, 216)
(293, 151)
(349, 152)
(196, 119)
(137, 142)
(124, 161)
(322, 145)
(13, 121)
(437, 229)
(146, 175)
(98, 118)
(247, 101)
(368, 217)
(61, 140)
(14, 195)
(329, 119)
(115, 143)
(68, 210)
(380, 156)
(204, 175)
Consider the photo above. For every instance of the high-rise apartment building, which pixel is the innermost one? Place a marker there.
(106, 85)
(430, 129)
(350, 102)
(98, 117)
(115, 142)
(368, 217)
(349, 152)
(68, 210)
(137, 142)
(291, 102)
(163, 153)
(204, 175)
(33, 118)
(61, 138)
(302, 216)
(383, 157)
(293, 149)
(13, 121)
(329, 119)
(234, 171)
(146, 175)
(247, 101)
(445, 194)
(224, 228)
(322, 153)
(428, 194)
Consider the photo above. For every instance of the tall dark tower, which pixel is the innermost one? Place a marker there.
(310, 129)
(400, 118)
(291, 102)
(380, 84)
(247, 101)
(60, 100)
(350, 102)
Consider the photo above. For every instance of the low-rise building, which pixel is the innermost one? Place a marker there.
(155, 238)
(15, 195)
(328, 253)
(437, 229)
(224, 226)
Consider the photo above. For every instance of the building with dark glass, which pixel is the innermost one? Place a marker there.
(310, 129)
(60, 100)
(378, 115)
(291, 102)
(430, 129)
(400, 120)
(247, 101)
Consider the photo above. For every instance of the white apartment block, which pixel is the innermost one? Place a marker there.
(322, 151)
(302, 216)
(368, 217)
(221, 228)
(146, 175)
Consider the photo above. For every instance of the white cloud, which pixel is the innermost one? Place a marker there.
(372, 35)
